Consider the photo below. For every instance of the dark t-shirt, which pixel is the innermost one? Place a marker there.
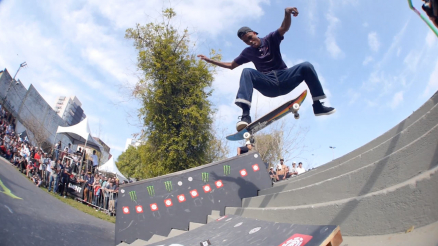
(243, 149)
(267, 57)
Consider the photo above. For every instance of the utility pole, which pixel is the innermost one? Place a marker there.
(13, 79)
(333, 151)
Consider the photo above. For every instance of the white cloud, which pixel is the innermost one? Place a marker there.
(367, 60)
(373, 41)
(312, 17)
(431, 39)
(413, 59)
(396, 99)
(432, 85)
(353, 95)
(330, 38)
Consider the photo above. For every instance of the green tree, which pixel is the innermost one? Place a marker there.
(176, 112)
(283, 139)
(130, 164)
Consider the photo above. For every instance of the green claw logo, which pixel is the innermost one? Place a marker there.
(151, 190)
(133, 196)
(168, 185)
(227, 170)
(205, 177)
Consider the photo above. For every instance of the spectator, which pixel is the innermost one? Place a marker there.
(293, 171)
(65, 179)
(300, 168)
(273, 174)
(70, 150)
(57, 149)
(54, 177)
(88, 186)
(95, 161)
(244, 149)
(281, 170)
(96, 189)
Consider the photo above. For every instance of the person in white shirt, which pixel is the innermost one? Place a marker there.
(300, 168)
(95, 161)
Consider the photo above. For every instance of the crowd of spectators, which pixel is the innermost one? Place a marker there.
(57, 168)
(282, 171)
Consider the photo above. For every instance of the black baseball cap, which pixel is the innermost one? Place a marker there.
(244, 30)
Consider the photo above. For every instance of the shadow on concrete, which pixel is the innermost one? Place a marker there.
(352, 205)
(242, 183)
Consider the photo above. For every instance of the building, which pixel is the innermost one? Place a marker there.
(132, 142)
(69, 109)
(105, 155)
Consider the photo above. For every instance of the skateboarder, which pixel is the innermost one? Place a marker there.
(272, 77)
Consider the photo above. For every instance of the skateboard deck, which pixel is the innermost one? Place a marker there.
(269, 118)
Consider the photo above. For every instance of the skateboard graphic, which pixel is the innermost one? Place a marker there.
(291, 106)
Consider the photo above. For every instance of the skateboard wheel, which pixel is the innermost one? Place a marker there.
(296, 116)
(246, 135)
(296, 106)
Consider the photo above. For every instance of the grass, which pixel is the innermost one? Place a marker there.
(79, 205)
(82, 207)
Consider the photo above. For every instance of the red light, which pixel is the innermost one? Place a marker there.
(243, 172)
(126, 210)
(194, 193)
(255, 167)
(181, 198)
(207, 188)
(168, 203)
(139, 209)
(219, 184)
(154, 207)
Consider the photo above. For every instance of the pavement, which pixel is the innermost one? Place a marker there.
(30, 216)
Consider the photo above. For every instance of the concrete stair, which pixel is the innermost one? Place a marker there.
(381, 188)
(174, 232)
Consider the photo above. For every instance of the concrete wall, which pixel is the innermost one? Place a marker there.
(28, 105)
(383, 187)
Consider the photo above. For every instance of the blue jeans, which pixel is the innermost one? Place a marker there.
(56, 154)
(278, 82)
(55, 185)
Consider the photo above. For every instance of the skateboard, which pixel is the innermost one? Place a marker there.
(291, 106)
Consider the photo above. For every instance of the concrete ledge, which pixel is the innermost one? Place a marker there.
(400, 165)
(410, 120)
(394, 209)
(421, 127)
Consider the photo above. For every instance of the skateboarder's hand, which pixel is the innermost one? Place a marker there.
(204, 58)
(292, 10)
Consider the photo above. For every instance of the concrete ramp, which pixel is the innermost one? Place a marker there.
(231, 230)
(386, 186)
(186, 199)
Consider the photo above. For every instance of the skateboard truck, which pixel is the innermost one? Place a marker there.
(294, 110)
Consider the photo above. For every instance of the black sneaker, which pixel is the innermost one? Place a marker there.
(320, 109)
(244, 122)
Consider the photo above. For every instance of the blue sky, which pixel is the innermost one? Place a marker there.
(377, 62)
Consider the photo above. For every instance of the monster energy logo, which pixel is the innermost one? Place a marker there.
(205, 177)
(227, 170)
(151, 190)
(133, 196)
(168, 185)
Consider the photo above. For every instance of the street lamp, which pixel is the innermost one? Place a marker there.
(333, 151)
(13, 79)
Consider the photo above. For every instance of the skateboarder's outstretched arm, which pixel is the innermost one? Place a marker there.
(229, 65)
(287, 19)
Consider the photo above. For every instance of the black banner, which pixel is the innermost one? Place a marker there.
(76, 189)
